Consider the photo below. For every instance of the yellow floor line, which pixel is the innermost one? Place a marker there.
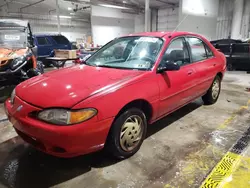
(232, 171)
(228, 172)
(222, 172)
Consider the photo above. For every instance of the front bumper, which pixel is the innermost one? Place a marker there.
(60, 141)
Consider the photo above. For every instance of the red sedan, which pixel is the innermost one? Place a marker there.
(110, 99)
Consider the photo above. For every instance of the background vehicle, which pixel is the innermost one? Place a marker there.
(236, 52)
(47, 43)
(17, 53)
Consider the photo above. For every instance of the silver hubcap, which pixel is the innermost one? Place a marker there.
(215, 89)
(131, 133)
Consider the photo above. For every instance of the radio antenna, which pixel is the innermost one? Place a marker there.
(179, 24)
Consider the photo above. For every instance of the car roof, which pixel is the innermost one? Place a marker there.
(164, 34)
(44, 35)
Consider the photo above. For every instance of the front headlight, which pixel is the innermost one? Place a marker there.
(12, 96)
(66, 117)
(17, 61)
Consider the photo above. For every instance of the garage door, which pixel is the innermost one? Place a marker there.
(168, 19)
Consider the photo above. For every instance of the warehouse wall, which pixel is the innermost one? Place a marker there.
(168, 19)
(46, 23)
(202, 17)
(224, 20)
(139, 23)
(139, 20)
(109, 23)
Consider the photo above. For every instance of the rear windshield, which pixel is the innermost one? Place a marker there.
(60, 39)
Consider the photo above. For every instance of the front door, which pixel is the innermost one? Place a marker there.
(176, 87)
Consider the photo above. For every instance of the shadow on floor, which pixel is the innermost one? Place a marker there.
(22, 166)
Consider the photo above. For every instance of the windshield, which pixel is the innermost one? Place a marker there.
(13, 39)
(128, 53)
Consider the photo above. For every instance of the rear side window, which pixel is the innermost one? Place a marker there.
(198, 51)
(42, 41)
(60, 39)
(209, 51)
(241, 48)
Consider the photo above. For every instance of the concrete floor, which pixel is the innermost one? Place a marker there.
(180, 150)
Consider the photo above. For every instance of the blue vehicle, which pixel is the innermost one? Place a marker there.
(47, 43)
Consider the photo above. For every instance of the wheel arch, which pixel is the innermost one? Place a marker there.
(142, 104)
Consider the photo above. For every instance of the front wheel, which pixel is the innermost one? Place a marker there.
(213, 93)
(127, 133)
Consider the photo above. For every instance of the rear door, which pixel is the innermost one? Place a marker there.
(205, 64)
(61, 42)
(44, 46)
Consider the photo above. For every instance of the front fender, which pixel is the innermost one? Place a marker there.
(110, 103)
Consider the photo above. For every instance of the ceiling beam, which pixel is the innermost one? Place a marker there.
(168, 3)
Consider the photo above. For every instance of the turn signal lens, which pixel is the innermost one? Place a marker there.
(82, 115)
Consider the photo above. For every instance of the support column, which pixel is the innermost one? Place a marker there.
(147, 16)
(58, 17)
(245, 20)
(237, 19)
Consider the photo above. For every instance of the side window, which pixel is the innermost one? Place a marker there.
(198, 51)
(177, 52)
(42, 41)
(209, 51)
(60, 39)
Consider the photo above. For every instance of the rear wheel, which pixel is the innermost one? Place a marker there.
(127, 133)
(213, 93)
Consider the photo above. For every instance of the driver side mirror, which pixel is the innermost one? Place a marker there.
(168, 66)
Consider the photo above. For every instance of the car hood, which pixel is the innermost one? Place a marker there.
(68, 86)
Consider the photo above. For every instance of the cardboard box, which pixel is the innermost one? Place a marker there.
(68, 54)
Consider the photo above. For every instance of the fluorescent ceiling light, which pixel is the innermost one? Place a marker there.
(61, 16)
(113, 6)
(72, 13)
(65, 16)
(69, 8)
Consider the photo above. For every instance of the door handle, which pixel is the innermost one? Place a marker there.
(214, 64)
(190, 72)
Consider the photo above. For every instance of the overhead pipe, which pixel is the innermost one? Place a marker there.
(32, 4)
(18, 13)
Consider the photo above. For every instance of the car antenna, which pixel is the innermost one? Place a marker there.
(178, 25)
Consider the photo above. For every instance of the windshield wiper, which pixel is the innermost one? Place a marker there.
(109, 66)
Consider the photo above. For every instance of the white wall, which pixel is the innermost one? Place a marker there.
(109, 23)
(224, 20)
(168, 19)
(202, 17)
(139, 23)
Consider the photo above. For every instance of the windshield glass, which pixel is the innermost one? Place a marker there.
(13, 39)
(128, 53)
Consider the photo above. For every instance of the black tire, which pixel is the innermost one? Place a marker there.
(113, 145)
(208, 98)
